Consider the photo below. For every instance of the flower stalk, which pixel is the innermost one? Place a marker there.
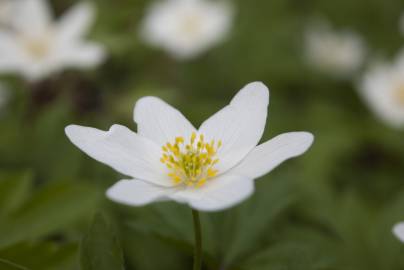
(198, 240)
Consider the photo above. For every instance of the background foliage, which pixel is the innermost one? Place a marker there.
(331, 209)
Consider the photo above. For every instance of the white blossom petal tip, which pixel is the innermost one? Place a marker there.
(251, 93)
(77, 21)
(121, 149)
(136, 192)
(159, 121)
(398, 231)
(239, 125)
(265, 157)
(209, 169)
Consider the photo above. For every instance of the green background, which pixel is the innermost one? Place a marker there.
(333, 208)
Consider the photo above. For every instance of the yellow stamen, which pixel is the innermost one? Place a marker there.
(191, 164)
(37, 47)
(193, 137)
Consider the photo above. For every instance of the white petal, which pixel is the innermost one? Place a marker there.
(159, 121)
(38, 70)
(137, 192)
(270, 154)
(34, 16)
(220, 193)
(76, 22)
(86, 55)
(398, 231)
(10, 53)
(239, 125)
(123, 150)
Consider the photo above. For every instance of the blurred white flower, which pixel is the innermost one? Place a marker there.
(38, 46)
(398, 231)
(210, 169)
(186, 28)
(338, 53)
(383, 89)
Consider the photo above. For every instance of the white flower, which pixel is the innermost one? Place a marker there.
(382, 87)
(398, 231)
(186, 28)
(337, 53)
(210, 169)
(38, 46)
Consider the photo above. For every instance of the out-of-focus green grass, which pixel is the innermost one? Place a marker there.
(332, 208)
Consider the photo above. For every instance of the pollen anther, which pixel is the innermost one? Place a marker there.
(191, 164)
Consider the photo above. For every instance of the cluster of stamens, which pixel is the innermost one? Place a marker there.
(191, 164)
(37, 47)
(191, 25)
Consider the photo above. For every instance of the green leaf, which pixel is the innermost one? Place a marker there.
(100, 248)
(14, 190)
(253, 219)
(163, 229)
(291, 256)
(8, 265)
(51, 209)
(176, 218)
(42, 255)
(140, 247)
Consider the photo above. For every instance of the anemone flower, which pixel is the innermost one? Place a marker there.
(186, 28)
(37, 46)
(338, 53)
(382, 87)
(210, 168)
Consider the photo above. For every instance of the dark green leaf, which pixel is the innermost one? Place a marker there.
(8, 265)
(254, 218)
(42, 256)
(100, 248)
(14, 190)
(51, 209)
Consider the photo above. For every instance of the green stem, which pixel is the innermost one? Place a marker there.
(198, 240)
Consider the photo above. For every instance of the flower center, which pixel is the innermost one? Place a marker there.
(399, 94)
(192, 163)
(37, 47)
(191, 25)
